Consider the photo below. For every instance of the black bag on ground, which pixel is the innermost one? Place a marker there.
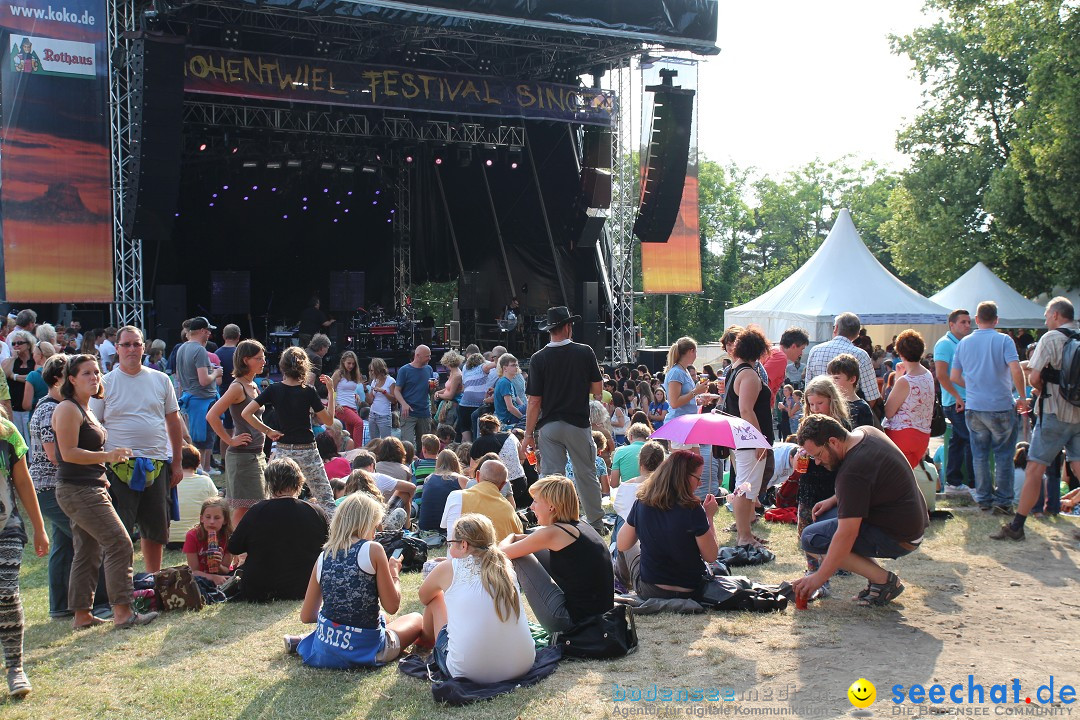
(738, 593)
(461, 691)
(413, 549)
(600, 637)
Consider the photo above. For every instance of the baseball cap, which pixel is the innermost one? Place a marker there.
(201, 323)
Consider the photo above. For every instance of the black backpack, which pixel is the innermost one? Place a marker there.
(413, 549)
(1067, 377)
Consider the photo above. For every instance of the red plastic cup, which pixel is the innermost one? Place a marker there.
(800, 602)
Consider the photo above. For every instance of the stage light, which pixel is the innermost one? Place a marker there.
(224, 187)
(409, 158)
(346, 209)
(335, 219)
(177, 215)
(514, 154)
(273, 189)
(438, 161)
(235, 150)
(305, 207)
(202, 147)
(489, 162)
(349, 193)
(513, 165)
(245, 197)
(211, 204)
(273, 165)
(370, 169)
(305, 199)
(374, 202)
(392, 211)
(389, 220)
(326, 166)
(326, 190)
(378, 192)
(350, 169)
(337, 202)
(293, 164)
(284, 217)
(214, 195)
(464, 155)
(254, 187)
(250, 164)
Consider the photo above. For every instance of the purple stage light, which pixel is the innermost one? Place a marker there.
(325, 190)
(254, 187)
(245, 197)
(214, 195)
(346, 209)
(284, 217)
(337, 202)
(305, 199)
(305, 207)
(378, 192)
(211, 204)
(224, 187)
(335, 219)
(349, 193)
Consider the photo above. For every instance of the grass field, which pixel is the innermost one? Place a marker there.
(970, 606)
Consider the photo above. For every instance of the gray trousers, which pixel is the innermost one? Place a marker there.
(547, 600)
(413, 428)
(559, 440)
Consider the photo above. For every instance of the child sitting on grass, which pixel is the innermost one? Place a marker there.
(214, 523)
(364, 482)
(601, 466)
(351, 579)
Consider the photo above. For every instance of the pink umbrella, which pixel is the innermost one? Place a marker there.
(712, 428)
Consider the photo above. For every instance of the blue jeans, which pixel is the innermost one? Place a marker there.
(993, 432)
(712, 473)
(958, 454)
(871, 542)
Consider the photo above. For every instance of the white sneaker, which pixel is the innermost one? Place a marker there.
(957, 490)
(214, 472)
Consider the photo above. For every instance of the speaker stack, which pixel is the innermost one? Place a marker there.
(665, 163)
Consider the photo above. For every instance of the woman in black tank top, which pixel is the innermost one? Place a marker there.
(563, 566)
(82, 493)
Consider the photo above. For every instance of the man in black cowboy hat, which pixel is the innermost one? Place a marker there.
(563, 376)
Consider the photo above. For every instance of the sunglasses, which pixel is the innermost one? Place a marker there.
(19, 342)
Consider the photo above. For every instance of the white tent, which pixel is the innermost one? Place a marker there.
(842, 276)
(979, 284)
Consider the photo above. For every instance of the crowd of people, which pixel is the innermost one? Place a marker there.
(107, 438)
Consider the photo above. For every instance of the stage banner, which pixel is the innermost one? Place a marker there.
(328, 82)
(55, 200)
(675, 266)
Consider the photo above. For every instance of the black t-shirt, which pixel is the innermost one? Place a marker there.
(283, 538)
(562, 376)
(311, 321)
(294, 405)
(669, 550)
(875, 482)
(487, 443)
(583, 571)
(860, 413)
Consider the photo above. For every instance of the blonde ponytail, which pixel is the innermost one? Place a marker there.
(479, 533)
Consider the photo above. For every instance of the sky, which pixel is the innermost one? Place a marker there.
(800, 79)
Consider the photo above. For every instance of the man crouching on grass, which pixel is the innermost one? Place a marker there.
(878, 510)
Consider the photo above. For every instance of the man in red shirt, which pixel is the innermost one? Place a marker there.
(792, 344)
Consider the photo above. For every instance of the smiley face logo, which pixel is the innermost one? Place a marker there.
(862, 693)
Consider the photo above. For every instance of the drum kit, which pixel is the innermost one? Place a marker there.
(375, 331)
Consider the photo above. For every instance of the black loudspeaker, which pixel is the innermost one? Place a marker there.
(346, 290)
(469, 290)
(590, 302)
(665, 168)
(596, 148)
(230, 292)
(655, 360)
(153, 178)
(592, 226)
(596, 187)
(170, 312)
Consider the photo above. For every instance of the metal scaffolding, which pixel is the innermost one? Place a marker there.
(124, 116)
(403, 241)
(621, 221)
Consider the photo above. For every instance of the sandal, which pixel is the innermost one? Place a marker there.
(879, 594)
(137, 619)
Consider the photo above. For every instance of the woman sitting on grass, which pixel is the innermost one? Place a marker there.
(473, 612)
(212, 563)
(675, 531)
(564, 565)
(438, 486)
(351, 579)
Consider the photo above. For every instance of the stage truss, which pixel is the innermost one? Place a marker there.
(520, 53)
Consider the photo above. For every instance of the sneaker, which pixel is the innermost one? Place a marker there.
(291, 643)
(957, 491)
(18, 684)
(822, 592)
(395, 520)
(1007, 533)
(1005, 510)
(214, 472)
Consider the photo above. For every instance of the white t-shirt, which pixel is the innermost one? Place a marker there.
(625, 496)
(451, 512)
(386, 484)
(380, 405)
(107, 351)
(134, 409)
(482, 647)
(345, 392)
(190, 492)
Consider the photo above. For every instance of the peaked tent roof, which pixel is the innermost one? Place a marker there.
(979, 284)
(842, 276)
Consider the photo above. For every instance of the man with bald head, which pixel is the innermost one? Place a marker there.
(413, 393)
(486, 498)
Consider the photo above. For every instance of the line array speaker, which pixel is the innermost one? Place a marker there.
(665, 169)
(153, 179)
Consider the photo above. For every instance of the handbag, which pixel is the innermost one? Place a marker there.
(176, 589)
(600, 637)
(937, 422)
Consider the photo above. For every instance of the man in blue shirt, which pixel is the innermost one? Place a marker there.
(958, 457)
(985, 363)
(413, 393)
